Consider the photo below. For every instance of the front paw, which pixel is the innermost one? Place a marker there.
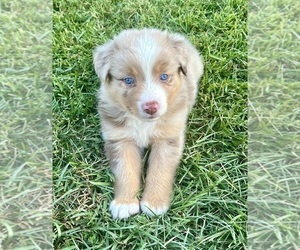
(122, 209)
(154, 207)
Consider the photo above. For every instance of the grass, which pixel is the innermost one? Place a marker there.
(209, 206)
(274, 92)
(208, 210)
(25, 131)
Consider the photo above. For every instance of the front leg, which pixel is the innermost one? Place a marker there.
(164, 158)
(125, 161)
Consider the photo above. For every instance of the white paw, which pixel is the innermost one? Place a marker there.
(123, 210)
(151, 211)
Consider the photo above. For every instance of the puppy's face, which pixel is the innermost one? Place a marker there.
(142, 71)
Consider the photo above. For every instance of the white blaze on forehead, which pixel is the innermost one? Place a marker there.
(148, 50)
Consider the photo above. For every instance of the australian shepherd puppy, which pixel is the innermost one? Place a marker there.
(149, 84)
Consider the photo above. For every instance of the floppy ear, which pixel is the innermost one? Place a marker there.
(181, 45)
(102, 60)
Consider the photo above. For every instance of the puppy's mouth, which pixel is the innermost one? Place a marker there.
(149, 118)
(152, 118)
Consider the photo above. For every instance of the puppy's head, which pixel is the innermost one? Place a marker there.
(142, 70)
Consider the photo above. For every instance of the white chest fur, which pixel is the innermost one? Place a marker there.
(138, 130)
(141, 131)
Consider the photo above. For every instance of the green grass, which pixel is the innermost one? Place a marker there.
(274, 123)
(208, 210)
(25, 129)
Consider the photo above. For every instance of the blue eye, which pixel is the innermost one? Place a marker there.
(164, 77)
(128, 80)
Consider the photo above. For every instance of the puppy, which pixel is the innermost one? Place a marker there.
(149, 84)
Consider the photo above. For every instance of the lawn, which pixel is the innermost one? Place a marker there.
(274, 125)
(208, 209)
(25, 126)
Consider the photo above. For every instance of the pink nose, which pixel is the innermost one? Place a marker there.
(150, 107)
